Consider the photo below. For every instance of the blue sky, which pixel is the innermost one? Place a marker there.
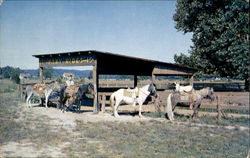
(142, 29)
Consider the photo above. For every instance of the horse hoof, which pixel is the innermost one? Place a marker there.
(117, 116)
(140, 116)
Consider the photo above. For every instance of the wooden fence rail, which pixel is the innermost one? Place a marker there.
(228, 102)
(104, 99)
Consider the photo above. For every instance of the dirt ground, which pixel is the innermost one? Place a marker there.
(41, 132)
(54, 121)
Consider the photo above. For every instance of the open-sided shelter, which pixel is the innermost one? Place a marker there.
(105, 63)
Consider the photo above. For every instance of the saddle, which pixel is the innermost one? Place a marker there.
(132, 93)
(39, 87)
(187, 96)
(71, 90)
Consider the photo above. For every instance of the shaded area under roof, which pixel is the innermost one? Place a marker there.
(116, 64)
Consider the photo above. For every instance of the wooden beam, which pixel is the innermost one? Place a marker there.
(153, 78)
(135, 81)
(165, 70)
(95, 83)
(41, 74)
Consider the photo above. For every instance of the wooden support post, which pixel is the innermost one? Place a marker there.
(191, 81)
(135, 81)
(41, 74)
(103, 103)
(95, 83)
(153, 78)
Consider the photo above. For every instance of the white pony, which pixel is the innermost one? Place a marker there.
(138, 95)
(41, 90)
(180, 88)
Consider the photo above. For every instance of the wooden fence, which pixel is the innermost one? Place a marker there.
(238, 103)
(227, 100)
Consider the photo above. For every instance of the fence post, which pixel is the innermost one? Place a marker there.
(219, 110)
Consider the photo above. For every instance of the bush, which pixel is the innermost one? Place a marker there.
(16, 78)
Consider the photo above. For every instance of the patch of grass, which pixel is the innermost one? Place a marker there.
(204, 119)
(160, 139)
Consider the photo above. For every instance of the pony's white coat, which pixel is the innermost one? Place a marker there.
(180, 88)
(118, 97)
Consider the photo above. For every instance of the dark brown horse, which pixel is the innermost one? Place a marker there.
(194, 98)
(73, 94)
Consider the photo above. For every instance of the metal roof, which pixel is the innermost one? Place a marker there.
(110, 63)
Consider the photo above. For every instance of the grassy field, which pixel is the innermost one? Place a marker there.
(29, 133)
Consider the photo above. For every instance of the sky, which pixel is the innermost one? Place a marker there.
(142, 29)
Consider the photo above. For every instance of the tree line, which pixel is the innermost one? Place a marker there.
(9, 72)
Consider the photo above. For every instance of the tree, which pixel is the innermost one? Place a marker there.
(11, 73)
(220, 36)
(48, 73)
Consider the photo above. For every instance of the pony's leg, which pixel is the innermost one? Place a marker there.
(30, 102)
(46, 102)
(27, 100)
(63, 107)
(47, 98)
(191, 106)
(79, 106)
(116, 109)
(134, 103)
(140, 108)
(195, 114)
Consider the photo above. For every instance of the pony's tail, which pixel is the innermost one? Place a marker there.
(169, 108)
(112, 101)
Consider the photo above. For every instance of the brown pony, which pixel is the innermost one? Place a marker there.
(194, 98)
(70, 94)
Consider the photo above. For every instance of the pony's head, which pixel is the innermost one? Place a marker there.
(209, 93)
(91, 89)
(177, 86)
(152, 89)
